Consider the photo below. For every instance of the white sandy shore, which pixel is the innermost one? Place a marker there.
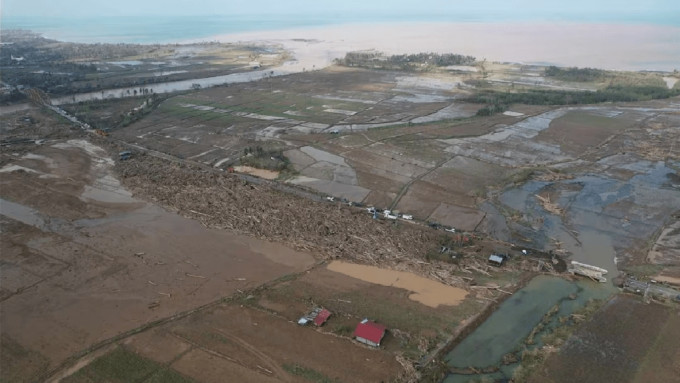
(608, 46)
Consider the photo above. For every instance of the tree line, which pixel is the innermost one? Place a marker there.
(575, 74)
(410, 62)
(498, 101)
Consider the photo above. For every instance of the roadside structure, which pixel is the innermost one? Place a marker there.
(322, 317)
(369, 332)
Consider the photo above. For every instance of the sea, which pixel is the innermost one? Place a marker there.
(172, 29)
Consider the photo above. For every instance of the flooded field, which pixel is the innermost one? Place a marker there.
(506, 330)
(602, 215)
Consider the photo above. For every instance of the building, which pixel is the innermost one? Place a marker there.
(318, 316)
(322, 317)
(497, 259)
(369, 333)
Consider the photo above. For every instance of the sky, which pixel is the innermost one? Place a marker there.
(93, 8)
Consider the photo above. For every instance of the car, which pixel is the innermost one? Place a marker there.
(407, 216)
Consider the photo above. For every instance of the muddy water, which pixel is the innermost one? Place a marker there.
(22, 214)
(425, 291)
(506, 329)
(262, 173)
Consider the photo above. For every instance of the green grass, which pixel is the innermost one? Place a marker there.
(308, 373)
(121, 365)
(343, 330)
(18, 364)
(641, 271)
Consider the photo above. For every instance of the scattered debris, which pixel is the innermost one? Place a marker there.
(593, 272)
(318, 316)
(194, 276)
(549, 205)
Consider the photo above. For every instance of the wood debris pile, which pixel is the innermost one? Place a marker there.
(327, 230)
(549, 206)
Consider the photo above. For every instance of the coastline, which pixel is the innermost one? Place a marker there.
(624, 47)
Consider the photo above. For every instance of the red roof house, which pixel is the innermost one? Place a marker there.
(369, 332)
(322, 317)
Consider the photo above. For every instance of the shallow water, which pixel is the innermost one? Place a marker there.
(22, 214)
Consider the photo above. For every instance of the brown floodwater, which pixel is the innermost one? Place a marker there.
(425, 291)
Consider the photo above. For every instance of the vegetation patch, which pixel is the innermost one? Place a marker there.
(17, 364)
(498, 101)
(576, 74)
(308, 373)
(121, 365)
(414, 62)
(270, 159)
